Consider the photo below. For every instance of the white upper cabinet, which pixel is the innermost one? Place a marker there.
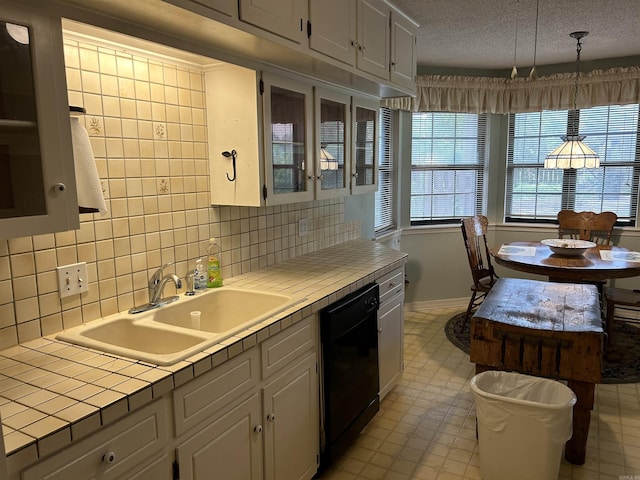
(332, 135)
(367, 34)
(288, 135)
(286, 18)
(403, 50)
(234, 124)
(228, 8)
(364, 157)
(334, 34)
(373, 37)
(37, 179)
(272, 140)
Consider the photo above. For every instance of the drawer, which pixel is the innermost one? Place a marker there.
(391, 284)
(131, 440)
(212, 394)
(279, 350)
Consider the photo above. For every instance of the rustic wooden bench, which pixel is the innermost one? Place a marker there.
(545, 329)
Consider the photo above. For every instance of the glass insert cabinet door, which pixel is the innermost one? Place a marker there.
(20, 165)
(332, 149)
(37, 185)
(365, 145)
(287, 106)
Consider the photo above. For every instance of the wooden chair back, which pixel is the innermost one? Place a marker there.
(595, 227)
(474, 233)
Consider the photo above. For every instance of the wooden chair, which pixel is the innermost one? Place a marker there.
(595, 227)
(474, 234)
(621, 304)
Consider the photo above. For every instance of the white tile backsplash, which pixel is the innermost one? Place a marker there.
(146, 120)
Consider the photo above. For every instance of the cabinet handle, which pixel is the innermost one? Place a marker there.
(271, 417)
(109, 458)
(258, 429)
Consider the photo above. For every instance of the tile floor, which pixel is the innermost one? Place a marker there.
(426, 426)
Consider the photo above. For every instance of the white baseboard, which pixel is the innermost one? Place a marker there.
(434, 304)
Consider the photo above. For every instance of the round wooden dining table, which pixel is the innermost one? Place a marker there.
(589, 267)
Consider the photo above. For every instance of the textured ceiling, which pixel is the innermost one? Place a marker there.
(482, 33)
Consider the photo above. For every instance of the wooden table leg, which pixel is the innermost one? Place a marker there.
(576, 447)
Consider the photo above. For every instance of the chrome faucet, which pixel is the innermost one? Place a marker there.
(157, 283)
(156, 288)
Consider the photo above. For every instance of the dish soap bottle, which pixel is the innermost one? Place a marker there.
(214, 277)
(200, 276)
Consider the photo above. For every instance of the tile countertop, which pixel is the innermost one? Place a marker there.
(53, 393)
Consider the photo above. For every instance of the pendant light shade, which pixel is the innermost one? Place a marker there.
(573, 153)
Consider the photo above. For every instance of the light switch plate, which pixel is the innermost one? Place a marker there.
(72, 279)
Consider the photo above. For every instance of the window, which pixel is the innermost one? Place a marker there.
(385, 214)
(448, 158)
(535, 194)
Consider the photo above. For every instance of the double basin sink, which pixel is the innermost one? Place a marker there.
(166, 335)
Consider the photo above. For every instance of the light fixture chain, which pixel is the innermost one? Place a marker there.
(575, 93)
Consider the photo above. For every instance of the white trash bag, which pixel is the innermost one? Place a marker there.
(523, 423)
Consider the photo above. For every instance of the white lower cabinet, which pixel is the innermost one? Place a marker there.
(121, 450)
(391, 330)
(290, 409)
(229, 448)
(157, 469)
(233, 425)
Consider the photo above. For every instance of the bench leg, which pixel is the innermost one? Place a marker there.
(576, 447)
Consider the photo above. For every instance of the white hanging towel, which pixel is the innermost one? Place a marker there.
(87, 181)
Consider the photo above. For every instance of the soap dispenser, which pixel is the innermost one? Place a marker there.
(199, 276)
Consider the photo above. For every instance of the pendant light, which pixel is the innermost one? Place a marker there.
(573, 153)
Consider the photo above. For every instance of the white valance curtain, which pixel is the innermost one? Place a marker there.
(439, 93)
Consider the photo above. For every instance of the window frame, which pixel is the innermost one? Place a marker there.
(570, 177)
(483, 152)
(386, 195)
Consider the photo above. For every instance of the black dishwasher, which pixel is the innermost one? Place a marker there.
(349, 333)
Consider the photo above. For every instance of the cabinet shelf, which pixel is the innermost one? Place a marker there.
(9, 124)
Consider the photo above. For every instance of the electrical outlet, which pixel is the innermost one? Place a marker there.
(72, 279)
(302, 227)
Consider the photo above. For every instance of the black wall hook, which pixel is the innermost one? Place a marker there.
(231, 154)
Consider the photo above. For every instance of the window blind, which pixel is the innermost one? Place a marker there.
(385, 198)
(535, 194)
(448, 160)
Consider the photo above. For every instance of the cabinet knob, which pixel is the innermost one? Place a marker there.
(60, 187)
(312, 177)
(355, 175)
(354, 43)
(109, 458)
(258, 429)
(320, 177)
(380, 331)
(271, 417)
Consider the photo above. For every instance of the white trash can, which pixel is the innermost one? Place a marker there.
(523, 424)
